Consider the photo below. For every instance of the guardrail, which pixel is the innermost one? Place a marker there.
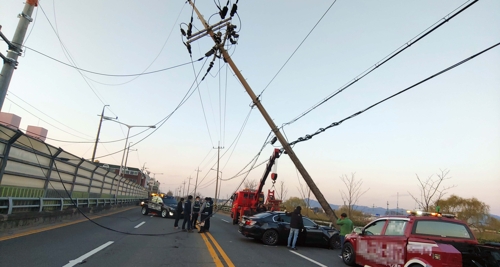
(49, 204)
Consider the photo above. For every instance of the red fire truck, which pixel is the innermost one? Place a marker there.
(245, 202)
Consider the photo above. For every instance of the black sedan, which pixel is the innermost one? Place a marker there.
(166, 209)
(273, 227)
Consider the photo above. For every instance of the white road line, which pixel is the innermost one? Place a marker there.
(139, 225)
(88, 254)
(225, 220)
(309, 259)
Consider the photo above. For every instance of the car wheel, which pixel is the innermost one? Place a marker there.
(335, 242)
(164, 213)
(348, 254)
(270, 237)
(144, 211)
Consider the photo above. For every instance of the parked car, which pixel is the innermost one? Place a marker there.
(417, 240)
(273, 227)
(165, 208)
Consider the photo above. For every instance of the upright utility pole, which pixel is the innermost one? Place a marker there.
(15, 48)
(217, 179)
(189, 183)
(126, 158)
(196, 183)
(99, 130)
(184, 188)
(220, 46)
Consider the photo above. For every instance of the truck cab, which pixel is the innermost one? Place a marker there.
(420, 239)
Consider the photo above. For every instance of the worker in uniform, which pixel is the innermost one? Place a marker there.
(206, 212)
(187, 215)
(196, 210)
(178, 212)
(210, 212)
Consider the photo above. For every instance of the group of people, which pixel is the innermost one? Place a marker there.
(193, 212)
(297, 224)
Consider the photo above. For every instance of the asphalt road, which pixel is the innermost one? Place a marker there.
(152, 242)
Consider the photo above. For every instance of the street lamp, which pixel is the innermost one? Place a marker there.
(126, 139)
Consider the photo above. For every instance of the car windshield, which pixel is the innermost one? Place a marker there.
(442, 229)
(169, 201)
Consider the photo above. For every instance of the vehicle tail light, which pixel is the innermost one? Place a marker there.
(250, 222)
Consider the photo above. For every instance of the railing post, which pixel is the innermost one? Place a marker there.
(41, 204)
(11, 204)
(77, 167)
(92, 178)
(103, 181)
(77, 203)
(88, 202)
(62, 204)
(49, 172)
(6, 152)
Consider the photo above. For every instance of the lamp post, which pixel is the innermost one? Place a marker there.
(126, 159)
(120, 173)
(126, 139)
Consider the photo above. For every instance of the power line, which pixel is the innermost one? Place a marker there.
(112, 75)
(305, 38)
(202, 106)
(321, 130)
(11, 93)
(69, 57)
(384, 60)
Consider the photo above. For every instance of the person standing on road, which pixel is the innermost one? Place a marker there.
(210, 212)
(346, 227)
(196, 211)
(187, 215)
(178, 212)
(206, 211)
(296, 225)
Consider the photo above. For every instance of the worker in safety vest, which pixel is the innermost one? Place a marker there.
(206, 212)
(196, 210)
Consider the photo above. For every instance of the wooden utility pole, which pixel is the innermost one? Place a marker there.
(15, 48)
(196, 183)
(217, 179)
(288, 149)
(189, 184)
(184, 188)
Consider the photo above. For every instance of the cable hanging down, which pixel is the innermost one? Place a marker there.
(387, 58)
(320, 130)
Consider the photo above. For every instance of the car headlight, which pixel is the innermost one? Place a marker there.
(171, 213)
(142, 202)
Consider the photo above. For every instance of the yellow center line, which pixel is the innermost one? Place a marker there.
(221, 251)
(212, 252)
(35, 231)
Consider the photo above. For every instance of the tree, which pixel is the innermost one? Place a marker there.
(293, 202)
(170, 193)
(250, 184)
(282, 191)
(353, 191)
(470, 210)
(431, 190)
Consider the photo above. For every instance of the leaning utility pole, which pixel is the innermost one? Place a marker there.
(15, 48)
(288, 150)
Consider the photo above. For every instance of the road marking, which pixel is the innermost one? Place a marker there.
(88, 254)
(225, 220)
(309, 259)
(30, 232)
(221, 251)
(212, 252)
(139, 225)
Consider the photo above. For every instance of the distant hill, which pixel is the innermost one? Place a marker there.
(370, 210)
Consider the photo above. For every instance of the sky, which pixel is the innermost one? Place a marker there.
(450, 122)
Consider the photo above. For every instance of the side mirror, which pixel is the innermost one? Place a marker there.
(316, 226)
(358, 230)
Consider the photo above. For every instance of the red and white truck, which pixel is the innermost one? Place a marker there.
(420, 239)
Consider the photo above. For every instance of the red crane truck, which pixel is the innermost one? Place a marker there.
(245, 201)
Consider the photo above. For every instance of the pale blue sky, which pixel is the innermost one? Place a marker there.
(451, 122)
